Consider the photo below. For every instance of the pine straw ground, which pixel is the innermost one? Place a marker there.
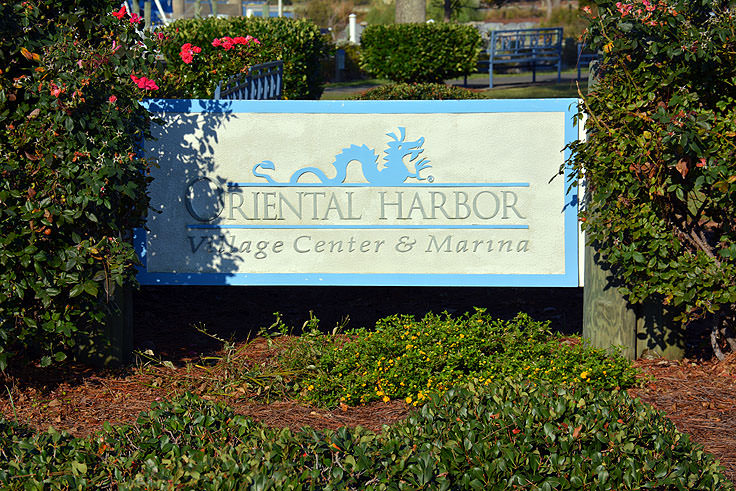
(698, 396)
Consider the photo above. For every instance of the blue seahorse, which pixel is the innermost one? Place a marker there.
(394, 171)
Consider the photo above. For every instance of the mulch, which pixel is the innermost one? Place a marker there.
(698, 395)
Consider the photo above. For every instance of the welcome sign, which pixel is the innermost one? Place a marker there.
(425, 193)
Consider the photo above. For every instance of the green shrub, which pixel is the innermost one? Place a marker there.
(420, 52)
(73, 186)
(496, 437)
(297, 42)
(417, 92)
(408, 359)
(659, 159)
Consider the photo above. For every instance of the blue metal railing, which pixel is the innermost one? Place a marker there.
(264, 81)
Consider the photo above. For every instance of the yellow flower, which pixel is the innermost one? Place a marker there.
(408, 400)
(584, 375)
(386, 399)
(311, 387)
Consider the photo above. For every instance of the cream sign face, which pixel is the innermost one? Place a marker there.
(361, 193)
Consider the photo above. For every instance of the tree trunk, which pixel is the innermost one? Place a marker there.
(448, 10)
(410, 11)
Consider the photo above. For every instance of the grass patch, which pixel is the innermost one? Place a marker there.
(539, 91)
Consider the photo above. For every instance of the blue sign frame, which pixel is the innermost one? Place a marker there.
(570, 278)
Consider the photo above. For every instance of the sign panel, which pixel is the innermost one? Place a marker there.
(424, 193)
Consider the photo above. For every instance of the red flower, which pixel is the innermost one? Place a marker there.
(216, 42)
(144, 83)
(112, 99)
(120, 13)
(188, 51)
(516, 431)
(226, 42)
(135, 18)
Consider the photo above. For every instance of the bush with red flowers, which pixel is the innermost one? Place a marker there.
(195, 71)
(660, 159)
(73, 183)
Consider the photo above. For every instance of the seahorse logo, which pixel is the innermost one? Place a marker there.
(395, 170)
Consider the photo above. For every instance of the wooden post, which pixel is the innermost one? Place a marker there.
(113, 345)
(608, 319)
(119, 327)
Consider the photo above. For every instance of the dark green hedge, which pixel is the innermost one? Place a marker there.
(72, 185)
(406, 92)
(420, 52)
(297, 42)
(507, 436)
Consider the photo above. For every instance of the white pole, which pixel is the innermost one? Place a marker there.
(161, 13)
(249, 12)
(352, 30)
(281, 8)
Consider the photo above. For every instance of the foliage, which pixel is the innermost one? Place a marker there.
(457, 10)
(381, 12)
(417, 92)
(492, 437)
(297, 42)
(196, 70)
(331, 14)
(660, 160)
(569, 18)
(408, 359)
(73, 185)
(420, 52)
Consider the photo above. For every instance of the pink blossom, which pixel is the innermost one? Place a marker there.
(160, 36)
(216, 42)
(144, 83)
(587, 10)
(649, 6)
(135, 18)
(625, 9)
(120, 13)
(240, 40)
(55, 90)
(701, 163)
(112, 99)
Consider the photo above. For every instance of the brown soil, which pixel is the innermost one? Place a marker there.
(698, 396)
